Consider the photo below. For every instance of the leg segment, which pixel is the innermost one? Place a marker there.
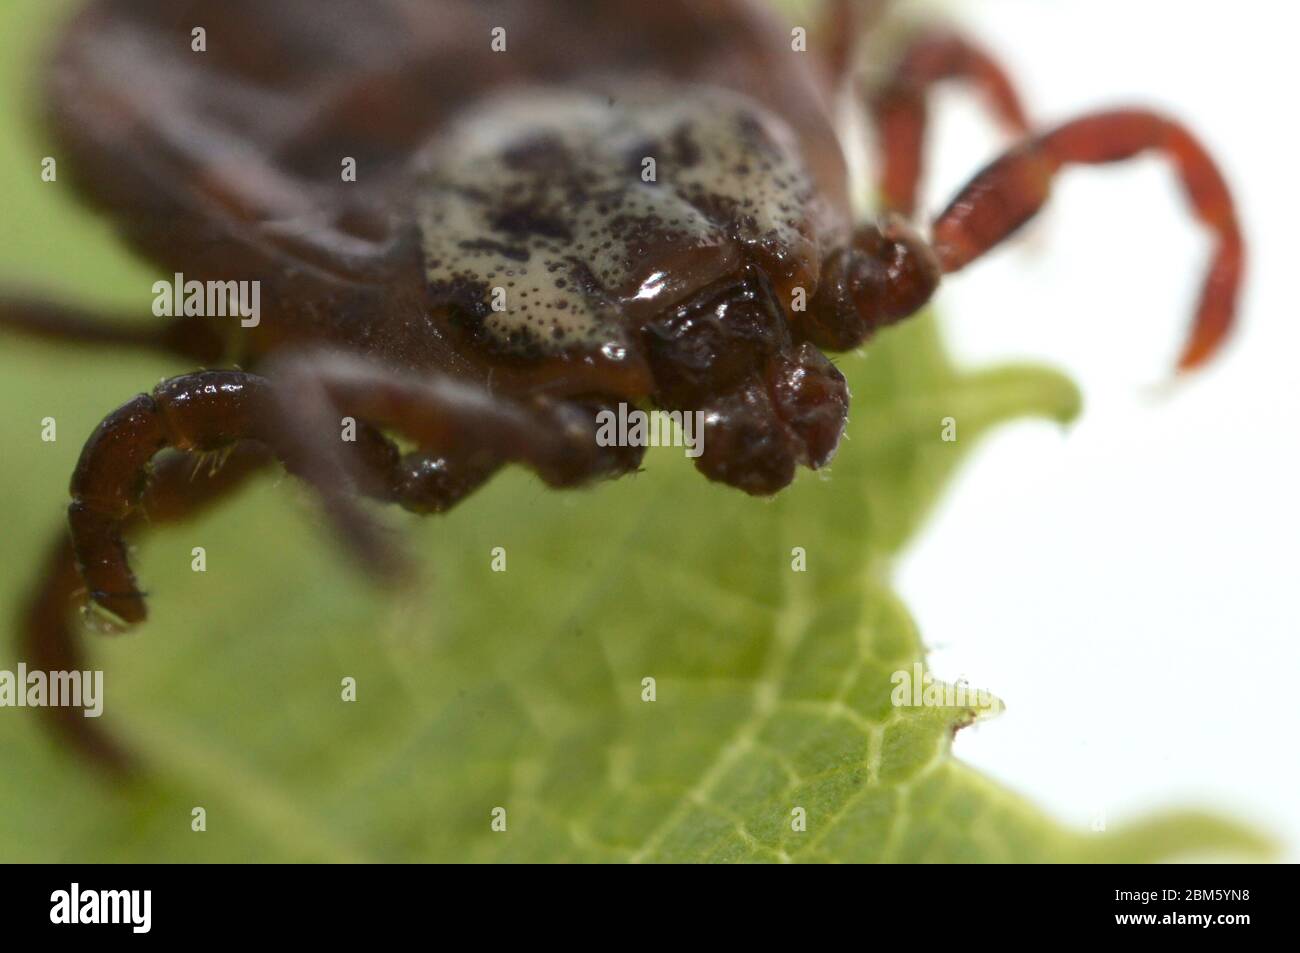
(900, 111)
(427, 483)
(464, 433)
(420, 481)
(191, 338)
(210, 410)
(48, 640)
(205, 411)
(1008, 192)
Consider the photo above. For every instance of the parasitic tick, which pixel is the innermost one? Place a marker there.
(475, 226)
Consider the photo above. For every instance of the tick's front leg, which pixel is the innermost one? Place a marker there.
(900, 108)
(1011, 190)
(204, 411)
(464, 433)
(209, 410)
(47, 640)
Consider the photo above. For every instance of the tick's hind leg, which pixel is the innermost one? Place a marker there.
(1009, 191)
(900, 111)
(192, 338)
(49, 640)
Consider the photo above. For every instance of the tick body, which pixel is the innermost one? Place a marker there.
(476, 226)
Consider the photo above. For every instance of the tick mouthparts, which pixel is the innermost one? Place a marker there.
(757, 435)
(811, 397)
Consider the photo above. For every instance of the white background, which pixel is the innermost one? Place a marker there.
(1128, 586)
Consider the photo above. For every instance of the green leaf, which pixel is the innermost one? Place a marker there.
(523, 689)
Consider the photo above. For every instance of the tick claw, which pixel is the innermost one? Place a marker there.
(102, 620)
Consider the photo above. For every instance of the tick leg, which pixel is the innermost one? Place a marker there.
(429, 483)
(421, 482)
(1009, 191)
(209, 410)
(191, 338)
(204, 411)
(464, 433)
(177, 490)
(900, 112)
(300, 417)
(47, 639)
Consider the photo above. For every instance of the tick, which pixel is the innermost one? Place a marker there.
(473, 227)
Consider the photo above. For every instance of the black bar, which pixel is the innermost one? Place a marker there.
(968, 904)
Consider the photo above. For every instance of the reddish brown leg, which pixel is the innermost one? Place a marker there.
(463, 430)
(191, 338)
(49, 641)
(204, 411)
(209, 410)
(900, 111)
(1008, 192)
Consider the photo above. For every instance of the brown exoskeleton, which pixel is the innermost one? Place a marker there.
(557, 208)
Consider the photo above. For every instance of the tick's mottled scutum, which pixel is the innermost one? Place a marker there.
(598, 211)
